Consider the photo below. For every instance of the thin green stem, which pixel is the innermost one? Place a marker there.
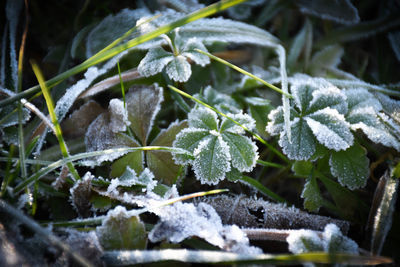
(45, 170)
(53, 116)
(259, 138)
(270, 164)
(204, 12)
(122, 84)
(273, 87)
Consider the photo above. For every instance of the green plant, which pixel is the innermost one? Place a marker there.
(306, 116)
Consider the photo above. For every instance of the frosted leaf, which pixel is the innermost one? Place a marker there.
(328, 97)
(188, 139)
(366, 119)
(302, 145)
(330, 129)
(212, 160)
(154, 61)
(220, 101)
(303, 94)
(120, 230)
(118, 116)
(210, 30)
(130, 178)
(334, 241)
(80, 195)
(143, 104)
(188, 50)
(341, 11)
(183, 220)
(389, 105)
(311, 194)
(203, 118)
(350, 167)
(392, 123)
(302, 41)
(244, 119)
(271, 75)
(162, 163)
(111, 28)
(99, 137)
(360, 98)
(243, 151)
(275, 124)
(179, 69)
(257, 101)
(243, 10)
(302, 241)
(394, 38)
(10, 118)
(328, 58)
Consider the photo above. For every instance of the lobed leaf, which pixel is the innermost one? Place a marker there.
(143, 104)
(243, 151)
(302, 145)
(188, 139)
(203, 118)
(178, 69)
(154, 61)
(212, 160)
(330, 129)
(245, 120)
(311, 194)
(350, 166)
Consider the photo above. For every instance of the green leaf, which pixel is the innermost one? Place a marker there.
(330, 129)
(179, 69)
(154, 61)
(228, 125)
(188, 139)
(203, 118)
(303, 142)
(350, 166)
(330, 97)
(223, 102)
(161, 163)
(188, 50)
(302, 42)
(121, 231)
(302, 167)
(212, 160)
(133, 160)
(143, 104)
(303, 95)
(311, 194)
(243, 151)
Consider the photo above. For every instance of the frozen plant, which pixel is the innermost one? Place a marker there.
(218, 146)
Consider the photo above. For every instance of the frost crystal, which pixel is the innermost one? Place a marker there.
(216, 147)
(118, 116)
(183, 220)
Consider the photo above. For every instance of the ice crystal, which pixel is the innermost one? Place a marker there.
(183, 220)
(223, 102)
(80, 195)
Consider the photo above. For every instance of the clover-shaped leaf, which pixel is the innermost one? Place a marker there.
(176, 62)
(317, 117)
(217, 146)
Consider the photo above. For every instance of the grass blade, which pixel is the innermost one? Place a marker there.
(50, 107)
(45, 170)
(125, 258)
